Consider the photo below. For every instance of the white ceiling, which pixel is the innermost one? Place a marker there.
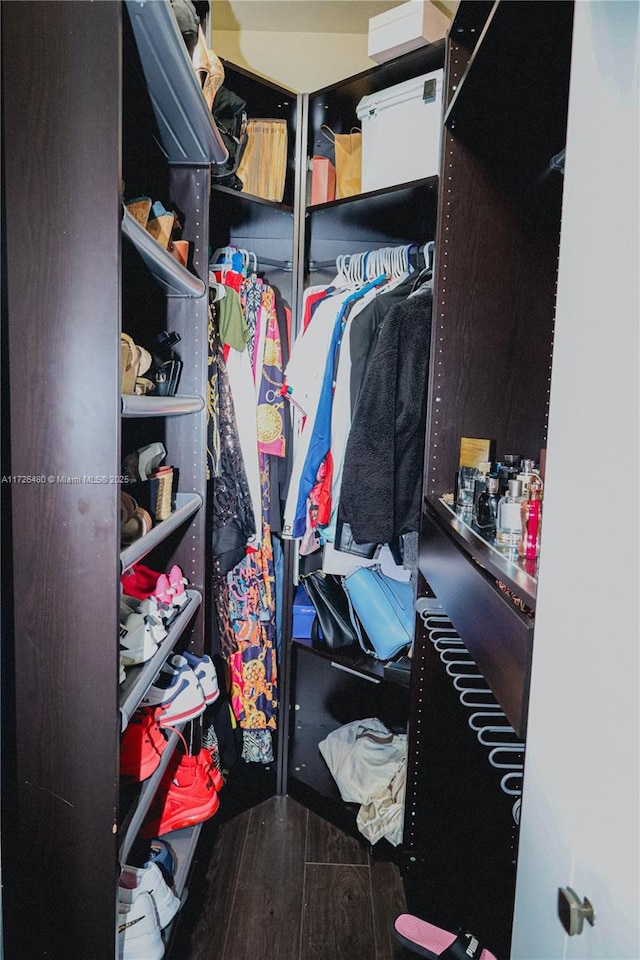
(298, 16)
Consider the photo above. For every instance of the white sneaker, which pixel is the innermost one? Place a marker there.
(177, 691)
(150, 610)
(137, 643)
(206, 673)
(134, 881)
(139, 936)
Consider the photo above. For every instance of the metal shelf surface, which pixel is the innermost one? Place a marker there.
(139, 678)
(135, 817)
(133, 406)
(187, 129)
(175, 280)
(186, 505)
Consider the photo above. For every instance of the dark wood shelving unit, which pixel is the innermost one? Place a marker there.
(65, 304)
(492, 345)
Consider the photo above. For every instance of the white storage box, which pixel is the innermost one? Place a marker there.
(404, 28)
(401, 130)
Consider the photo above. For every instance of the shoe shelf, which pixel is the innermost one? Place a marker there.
(133, 406)
(140, 678)
(188, 132)
(174, 279)
(134, 818)
(183, 845)
(186, 505)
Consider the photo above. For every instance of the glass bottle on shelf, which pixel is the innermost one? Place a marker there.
(509, 521)
(508, 469)
(531, 516)
(487, 508)
(480, 484)
(464, 489)
(527, 473)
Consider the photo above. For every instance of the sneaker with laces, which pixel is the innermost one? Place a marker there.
(186, 796)
(150, 609)
(134, 881)
(206, 673)
(177, 691)
(177, 585)
(139, 935)
(142, 745)
(137, 643)
(206, 761)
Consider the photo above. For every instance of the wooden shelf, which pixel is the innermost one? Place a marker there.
(518, 574)
(241, 196)
(401, 214)
(497, 633)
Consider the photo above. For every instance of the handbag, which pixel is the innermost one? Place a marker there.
(332, 626)
(348, 160)
(263, 170)
(230, 115)
(384, 607)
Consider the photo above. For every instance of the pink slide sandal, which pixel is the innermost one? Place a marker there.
(433, 943)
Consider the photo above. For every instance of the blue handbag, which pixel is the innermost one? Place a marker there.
(384, 607)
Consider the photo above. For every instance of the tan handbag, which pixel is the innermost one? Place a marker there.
(263, 168)
(348, 161)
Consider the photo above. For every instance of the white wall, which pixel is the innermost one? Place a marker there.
(580, 814)
(303, 62)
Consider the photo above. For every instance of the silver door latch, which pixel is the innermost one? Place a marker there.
(572, 912)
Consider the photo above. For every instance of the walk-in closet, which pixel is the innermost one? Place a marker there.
(303, 419)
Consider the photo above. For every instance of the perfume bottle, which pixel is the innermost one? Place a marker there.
(480, 485)
(509, 522)
(527, 472)
(465, 482)
(531, 514)
(487, 508)
(508, 470)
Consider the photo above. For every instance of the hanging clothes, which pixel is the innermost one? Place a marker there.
(381, 482)
(246, 597)
(232, 518)
(319, 430)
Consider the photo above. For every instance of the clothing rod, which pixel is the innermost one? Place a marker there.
(286, 265)
(315, 265)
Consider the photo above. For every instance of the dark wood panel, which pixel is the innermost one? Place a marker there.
(61, 155)
(493, 323)
(327, 844)
(337, 920)
(274, 840)
(496, 634)
(511, 104)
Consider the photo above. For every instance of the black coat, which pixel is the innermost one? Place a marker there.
(382, 474)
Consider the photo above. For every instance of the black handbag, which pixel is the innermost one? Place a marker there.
(332, 626)
(230, 115)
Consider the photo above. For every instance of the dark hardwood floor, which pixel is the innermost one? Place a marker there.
(284, 884)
